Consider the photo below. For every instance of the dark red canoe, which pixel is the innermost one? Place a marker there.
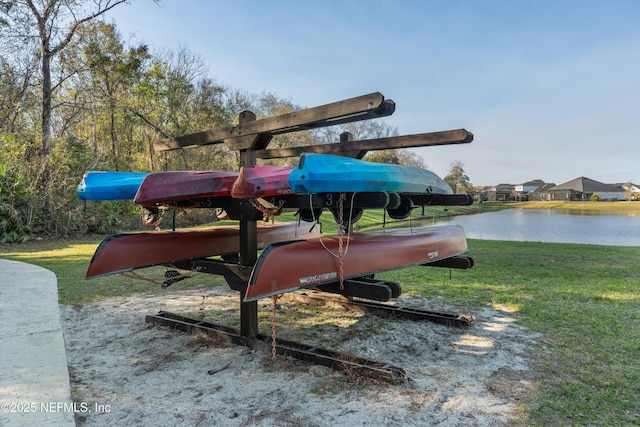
(126, 252)
(261, 181)
(287, 266)
(162, 188)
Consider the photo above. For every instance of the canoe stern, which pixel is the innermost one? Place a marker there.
(289, 266)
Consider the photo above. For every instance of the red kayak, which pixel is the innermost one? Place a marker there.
(162, 188)
(288, 266)
(126, 252)
(261, 181)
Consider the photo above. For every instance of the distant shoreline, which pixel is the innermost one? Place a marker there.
(609, 207)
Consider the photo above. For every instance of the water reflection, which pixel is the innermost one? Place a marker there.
(552, 225)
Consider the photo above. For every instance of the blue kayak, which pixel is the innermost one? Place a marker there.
(98, 185)
(325, 173)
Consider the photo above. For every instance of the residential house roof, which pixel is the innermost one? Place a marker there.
(544, 188)
(534, 183)
(587, 185)
(504, 187)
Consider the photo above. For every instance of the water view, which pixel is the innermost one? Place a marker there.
(552, 225)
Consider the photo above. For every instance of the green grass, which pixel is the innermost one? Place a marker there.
(631, 208)
(584, 299)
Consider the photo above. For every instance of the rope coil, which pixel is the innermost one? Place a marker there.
(267, 212)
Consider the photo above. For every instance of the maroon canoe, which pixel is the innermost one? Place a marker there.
(261, 181)
(161, 188)
(126, 252)
(287, 266)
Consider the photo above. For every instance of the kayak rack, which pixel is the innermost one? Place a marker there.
(387, 310)
(449, 319)
(242, 209)
(369, 288)
(251, 137)
(329, 358)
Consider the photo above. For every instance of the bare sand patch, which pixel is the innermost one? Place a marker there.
(139, 374)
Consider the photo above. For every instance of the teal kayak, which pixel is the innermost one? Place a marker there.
(324, 173)
(102, 185)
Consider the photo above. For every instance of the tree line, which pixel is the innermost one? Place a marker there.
(75, 96)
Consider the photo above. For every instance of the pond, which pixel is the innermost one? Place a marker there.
(552, 225)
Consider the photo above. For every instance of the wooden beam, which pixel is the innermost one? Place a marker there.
(235, 137)
(248, 234)
(348, 148)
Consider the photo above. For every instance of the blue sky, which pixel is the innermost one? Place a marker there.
(550, 88)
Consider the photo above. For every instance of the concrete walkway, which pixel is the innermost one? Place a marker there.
(34, 379)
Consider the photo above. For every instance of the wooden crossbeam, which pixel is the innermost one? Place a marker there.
(459, 136)
(239, 137)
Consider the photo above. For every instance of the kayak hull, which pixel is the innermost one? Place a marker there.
(323, 173)
(261, 181)
(288, 266)
(125, 252)
(106, 185)
(164, 188)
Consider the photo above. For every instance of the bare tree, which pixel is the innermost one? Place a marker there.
(15, 97)
(56, 23)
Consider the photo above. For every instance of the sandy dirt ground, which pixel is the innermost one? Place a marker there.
(129, 372)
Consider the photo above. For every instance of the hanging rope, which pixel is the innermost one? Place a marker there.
(273, 327)
(342, 247)
(341, 239)
(170, 277)
(132, 275)
(340, 224)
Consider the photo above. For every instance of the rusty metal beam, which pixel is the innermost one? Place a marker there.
(332, 359)
(393, 311)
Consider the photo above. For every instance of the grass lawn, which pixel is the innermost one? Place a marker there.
(631, 208)
(584, 299)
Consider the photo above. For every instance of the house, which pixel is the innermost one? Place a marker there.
(579, 189)
(541, 193)
(510, 192)
(632, 190)
(499, 193)
(528, 186)
(583, 189)
(521, 191)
